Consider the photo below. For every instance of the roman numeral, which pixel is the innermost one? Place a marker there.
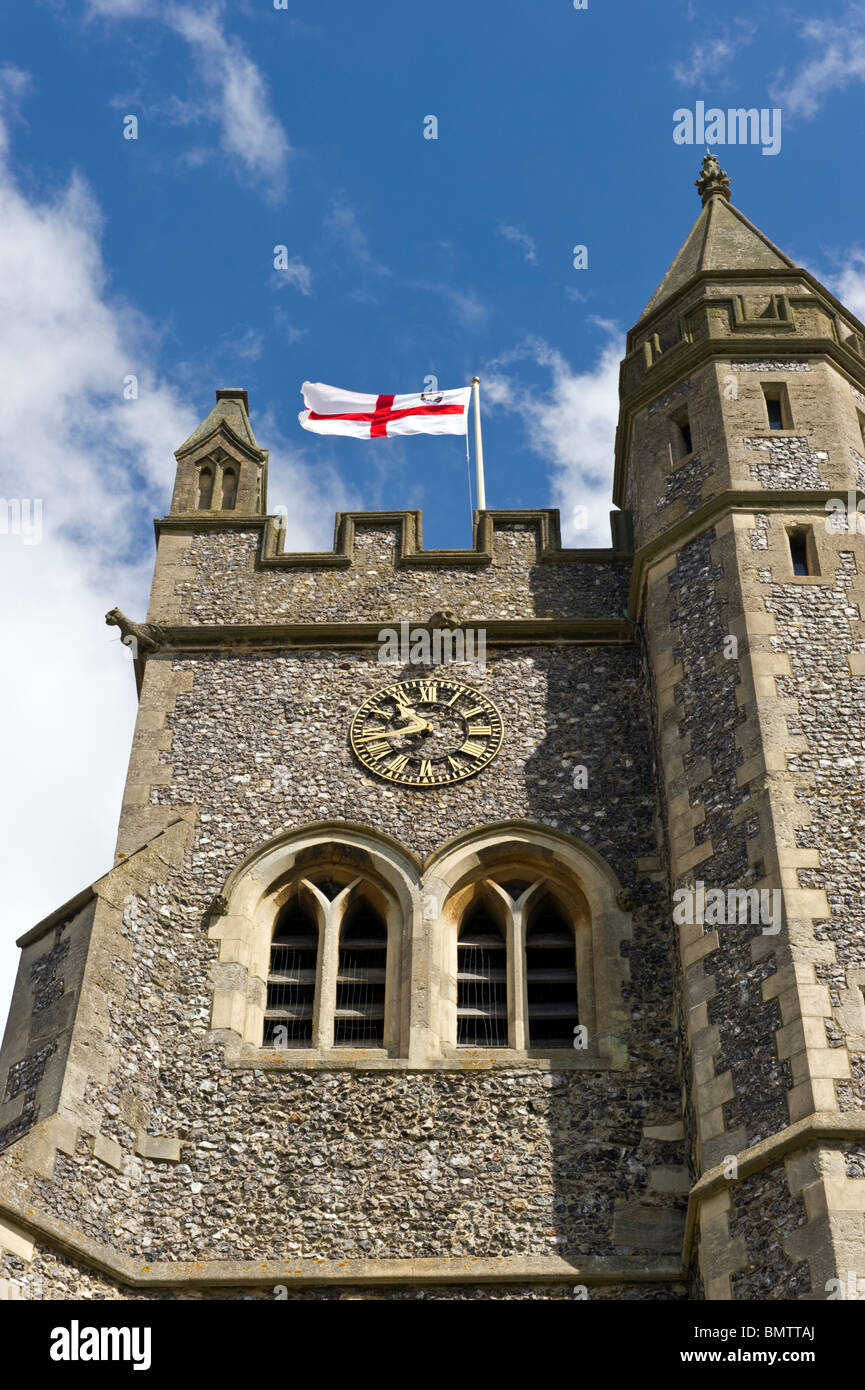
(479, 730)
(467, 713)
(429, 693)
(426, 768)
(397, 764)
(371, 733)
(474, 750)
(378, 750)
(457, 767)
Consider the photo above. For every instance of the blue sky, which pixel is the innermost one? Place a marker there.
(303, 127)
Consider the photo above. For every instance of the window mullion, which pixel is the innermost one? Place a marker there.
(325, 1000)
(517, 998)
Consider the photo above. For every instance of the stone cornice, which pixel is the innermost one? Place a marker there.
(498, 632)
(688, 527)
(770, 275)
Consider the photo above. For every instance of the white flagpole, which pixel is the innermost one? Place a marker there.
(479, 447)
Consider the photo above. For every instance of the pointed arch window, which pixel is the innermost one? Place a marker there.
(551, 975)
(229, 489)
(292, 977)
(482, 980)
(361, 978)
(205, 487)
(523, 963)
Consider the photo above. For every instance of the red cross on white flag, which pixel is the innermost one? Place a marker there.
(330, 410)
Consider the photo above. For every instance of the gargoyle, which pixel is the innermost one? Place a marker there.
(444, 618)
(141, 637)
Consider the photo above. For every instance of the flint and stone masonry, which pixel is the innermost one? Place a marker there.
(687, 704)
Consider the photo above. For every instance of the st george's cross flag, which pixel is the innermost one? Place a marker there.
(330, 410)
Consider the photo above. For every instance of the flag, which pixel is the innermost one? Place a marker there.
(330, 410)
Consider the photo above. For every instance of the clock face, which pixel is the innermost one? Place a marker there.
(426, 732)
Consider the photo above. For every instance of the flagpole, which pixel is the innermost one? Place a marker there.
(479, 447)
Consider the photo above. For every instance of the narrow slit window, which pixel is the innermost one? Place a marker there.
(229, 489)
(291, 979)
(205, 488)
(777, 405)
(799, 549)
(861, 418)
(360, 981)
(551, 977)
(683, 442)
(482, 981)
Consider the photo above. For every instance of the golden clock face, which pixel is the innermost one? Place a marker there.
(426, 732)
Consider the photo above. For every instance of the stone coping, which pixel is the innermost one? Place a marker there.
(410, 551)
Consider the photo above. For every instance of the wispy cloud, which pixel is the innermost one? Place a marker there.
(835, 59)
(571, 425)
(343, 229)
(295, 272)
(520, 239)
(710, 56)
(231, 92)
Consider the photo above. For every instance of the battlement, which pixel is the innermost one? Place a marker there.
(212, 569)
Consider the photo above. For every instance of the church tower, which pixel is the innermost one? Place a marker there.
(485, 923)
(739, 454)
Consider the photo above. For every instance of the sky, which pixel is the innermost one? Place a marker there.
(262, 124)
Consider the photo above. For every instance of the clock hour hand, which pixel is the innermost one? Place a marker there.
(416, 724)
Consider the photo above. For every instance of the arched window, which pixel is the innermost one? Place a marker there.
(229, 489)
(551, 975)
(291, 980)
(360, 983)
(205, 487)
(482, 980)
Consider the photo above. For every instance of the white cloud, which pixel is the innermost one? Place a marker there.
(521, 239)
(294, 272)
(230, 89)
(571, 425)
(836, 58)
(235, 92)
(713, 55)
(846, 280)
(102, 467)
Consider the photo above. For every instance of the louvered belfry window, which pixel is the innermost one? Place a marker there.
(291, 979)
(551, 976)
(360, 982)
(482, 980)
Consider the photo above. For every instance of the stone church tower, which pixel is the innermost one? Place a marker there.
(387, 994)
